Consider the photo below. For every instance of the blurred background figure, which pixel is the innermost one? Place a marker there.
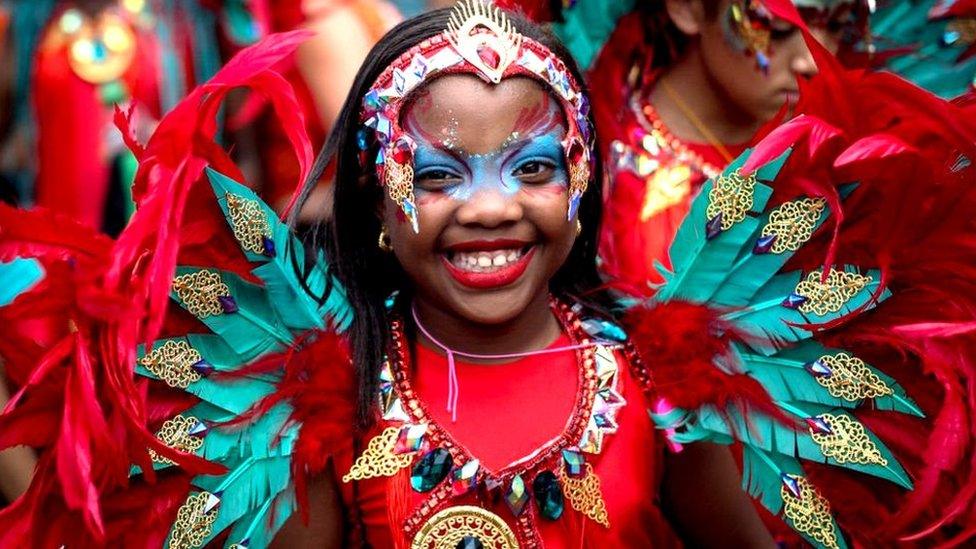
(66, 64)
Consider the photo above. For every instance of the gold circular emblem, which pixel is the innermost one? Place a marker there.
(447, 528)
(103, 50)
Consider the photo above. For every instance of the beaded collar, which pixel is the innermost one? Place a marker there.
(533, 488)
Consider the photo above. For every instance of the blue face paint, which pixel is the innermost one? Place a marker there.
(520, 163)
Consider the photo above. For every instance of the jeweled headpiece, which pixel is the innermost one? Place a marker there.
(479, 40)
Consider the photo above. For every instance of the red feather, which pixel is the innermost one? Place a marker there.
(684, 344)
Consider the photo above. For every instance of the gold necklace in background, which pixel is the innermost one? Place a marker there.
(696, 122)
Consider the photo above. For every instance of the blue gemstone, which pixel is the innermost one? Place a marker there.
(268, 246)
(601, 421)
(574, 204)
(819, 425)
(714, 226)
(362, 139)
(548, 495)
(574, 461)
(818, 369)
(410, 210)
(380, 157)
(198, 429)
(603, 329)
(794, 300)
(203, 368)
(764, 244)
(431, 470)
(791, 484)
(469, 542)
(227, 303)
(950, 37)
(372, 100)
(763, 62)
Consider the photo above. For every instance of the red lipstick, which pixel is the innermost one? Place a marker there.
(493, 279)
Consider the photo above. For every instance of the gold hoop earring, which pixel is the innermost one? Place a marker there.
(384, 243)
(579, 226)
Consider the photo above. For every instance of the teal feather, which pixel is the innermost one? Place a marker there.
(762, 475)
(16, 277)
(587, 26)
(785, 377)
(778, 326)
(766, 434)
(286, 290)
(255, 328)
(933, 63)
(250, 483)
(702, 266)
(256, 529)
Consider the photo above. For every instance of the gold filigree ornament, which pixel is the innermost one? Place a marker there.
(194, 521)
(398, 178)
(173, 363)
(175, 433)
(585, 496)
(379, 459)
(823, 297)
(484, 36)
(847, 441)
(200, 292)
(793, 223)
(851, 379)
(447, 528)
(809, 512)
(731, 197)
(249, 223)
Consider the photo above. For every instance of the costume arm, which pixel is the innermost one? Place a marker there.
(706, 468)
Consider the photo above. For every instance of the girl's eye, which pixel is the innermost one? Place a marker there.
(434, 180)
(781, 31)
(436, 175)
(534, 171)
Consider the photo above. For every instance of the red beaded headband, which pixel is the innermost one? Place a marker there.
(479, 40)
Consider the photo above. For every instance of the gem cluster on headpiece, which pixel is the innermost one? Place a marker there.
(479, 40)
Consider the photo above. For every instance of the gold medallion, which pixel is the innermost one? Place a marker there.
(449, 527)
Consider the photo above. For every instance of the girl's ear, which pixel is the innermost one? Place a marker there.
(687, 15)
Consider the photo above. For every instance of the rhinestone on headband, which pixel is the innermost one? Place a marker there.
(479, 40)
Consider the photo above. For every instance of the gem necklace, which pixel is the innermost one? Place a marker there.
(533, 488)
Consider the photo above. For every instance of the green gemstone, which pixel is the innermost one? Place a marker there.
(574, 462)
(431, 470)
(548, 495)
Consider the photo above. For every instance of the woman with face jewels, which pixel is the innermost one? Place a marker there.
(441, 366)
(680, 87)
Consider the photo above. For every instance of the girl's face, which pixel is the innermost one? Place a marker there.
(490, 180)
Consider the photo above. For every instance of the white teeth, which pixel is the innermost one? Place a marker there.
(484, 262)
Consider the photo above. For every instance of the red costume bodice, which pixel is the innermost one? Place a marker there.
(505, 413)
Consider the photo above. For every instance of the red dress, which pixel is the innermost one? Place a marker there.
(506, 412)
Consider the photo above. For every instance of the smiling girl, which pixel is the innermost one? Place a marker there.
(440, 366)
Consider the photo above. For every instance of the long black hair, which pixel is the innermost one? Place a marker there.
(349, 238)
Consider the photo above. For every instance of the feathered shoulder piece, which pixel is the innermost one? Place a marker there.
(179, 383)
(831, 272)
